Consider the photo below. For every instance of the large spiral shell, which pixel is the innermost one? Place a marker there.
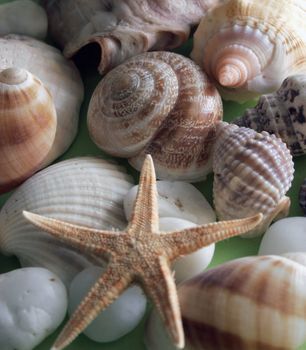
(252, 173)
(249, 47)
(158, 103)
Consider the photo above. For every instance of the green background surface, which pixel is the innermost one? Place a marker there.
(230, 249)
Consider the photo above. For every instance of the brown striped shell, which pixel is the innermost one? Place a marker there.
(246, 304)
(27, 126)
(252, 173)
(159, 103)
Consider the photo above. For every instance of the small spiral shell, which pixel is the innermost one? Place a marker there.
(158, 103)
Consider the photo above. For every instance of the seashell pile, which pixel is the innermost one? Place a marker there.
(302, 196)
(252, 173)
(282, 113)
(122, 29)
(157, 103)
(22, 134)
(248, 47)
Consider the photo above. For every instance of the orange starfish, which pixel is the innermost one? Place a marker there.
(139, 254)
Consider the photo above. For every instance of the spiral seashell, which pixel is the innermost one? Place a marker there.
(282, 113)
(249, 47)
(158, 103)
(302, 197)
(122, 29)
(252, 173)
(58, 75)
(249, 303)
(27, 126)
(86, 191)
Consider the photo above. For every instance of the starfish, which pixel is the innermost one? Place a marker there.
(139, 254)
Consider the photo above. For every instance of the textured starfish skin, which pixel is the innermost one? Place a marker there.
(139, 254)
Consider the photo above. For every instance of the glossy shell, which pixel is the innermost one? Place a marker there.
(27, 126)
(282, 113)
(252, 173)
(159, 103)
(302, 196)
(249, 47)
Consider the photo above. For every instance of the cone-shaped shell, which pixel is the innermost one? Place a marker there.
(159, 103)
(249, 47)
(27, 126)
(83, 191)
(252, 173)
(282, 113)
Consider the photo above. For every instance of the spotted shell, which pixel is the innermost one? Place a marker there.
(27, 126)
(248, 47)
(159, 103)
(302, 197)
(282, 113)
(252, 173)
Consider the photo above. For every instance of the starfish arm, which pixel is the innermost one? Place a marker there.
(145, 213)
(191, 239)
(161, 288)
(97, 241)
(108, 288)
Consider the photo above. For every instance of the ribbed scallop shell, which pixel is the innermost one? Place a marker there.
(302, 197)
(252, 173)
(282, 114)
(249, 47)
(162, 104)
(27, 126)
(246, 304)
(85, 191)
(59, 76)
(122, 29)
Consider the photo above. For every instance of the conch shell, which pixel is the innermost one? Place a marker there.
(282, 113)
(58, 75)
(248, 303)
(86, 191)
(249, 47)
(252, 173)
(159, 103)
(122, 29)
(27, 126)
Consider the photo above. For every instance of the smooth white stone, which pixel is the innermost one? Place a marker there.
(284, 236)
(33, 303)
(119, 318)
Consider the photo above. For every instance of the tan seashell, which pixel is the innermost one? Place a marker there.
(252, 173)
(282, 114)
(122, 29)
(157, 103)
(249, 47)
(248, 303)
(27, 126)
(58, 75)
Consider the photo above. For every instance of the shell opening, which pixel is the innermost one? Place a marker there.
(13, 76)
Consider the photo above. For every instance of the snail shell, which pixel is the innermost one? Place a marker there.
(249, 47)
(27, 126)
(159, 103)
(282, 113)
(249, 303)
(253, 171)
(302, 197)
(85, 191)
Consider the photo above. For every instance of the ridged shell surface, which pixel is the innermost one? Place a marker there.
(27, 126)
(252, 173)
(282, 113)
(159, 103)
(302, 196)
(85, 191)
(249, 47)
(58, 75)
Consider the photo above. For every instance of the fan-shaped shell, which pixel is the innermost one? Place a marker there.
(122, 29)
(59, 76)
(249, 303)
(27, 126)
(162, 104)
(252, 173)
(282, 113)
(302, 197)
(249, 47)
(85, 191)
